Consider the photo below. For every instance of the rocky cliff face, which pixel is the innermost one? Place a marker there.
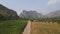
(30, 14)
(7, 13)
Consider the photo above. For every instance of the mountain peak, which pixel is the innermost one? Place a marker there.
(30, 14)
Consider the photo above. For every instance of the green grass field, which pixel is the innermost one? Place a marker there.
(12, 26)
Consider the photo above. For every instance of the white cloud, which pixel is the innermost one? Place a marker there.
(51, 2)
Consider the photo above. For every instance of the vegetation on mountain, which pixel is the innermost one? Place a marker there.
(30, 14)
(6, 13)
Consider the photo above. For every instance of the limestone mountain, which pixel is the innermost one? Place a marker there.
(30, 14)
(35, 14)
(6, 13)
(54, 14)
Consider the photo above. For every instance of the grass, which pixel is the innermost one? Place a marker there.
(44, 28)
(12, 26)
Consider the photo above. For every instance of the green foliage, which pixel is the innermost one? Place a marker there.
(53, 20)
(12, 26)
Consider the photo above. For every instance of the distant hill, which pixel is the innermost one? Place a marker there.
(6, 13)
(30, 14)
(54, 14)
(35, 14)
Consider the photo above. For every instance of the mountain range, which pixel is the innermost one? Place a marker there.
(30, 14)
(54, 14)
(35, 14)
(6, 13)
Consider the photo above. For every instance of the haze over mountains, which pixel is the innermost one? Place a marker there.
(54, 14)
(30, 14)
(7, 13)
(35, 14)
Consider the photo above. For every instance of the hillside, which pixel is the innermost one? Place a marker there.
(54, 14)
(35, 14)
(6, 13)
(30, 14)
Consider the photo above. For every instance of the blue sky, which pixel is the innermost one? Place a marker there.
(42, 6)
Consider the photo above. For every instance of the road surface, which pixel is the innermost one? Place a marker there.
(27, 29)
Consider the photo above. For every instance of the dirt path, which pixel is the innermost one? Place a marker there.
(27, 29)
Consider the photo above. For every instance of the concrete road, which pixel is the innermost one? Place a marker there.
(27, 29)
